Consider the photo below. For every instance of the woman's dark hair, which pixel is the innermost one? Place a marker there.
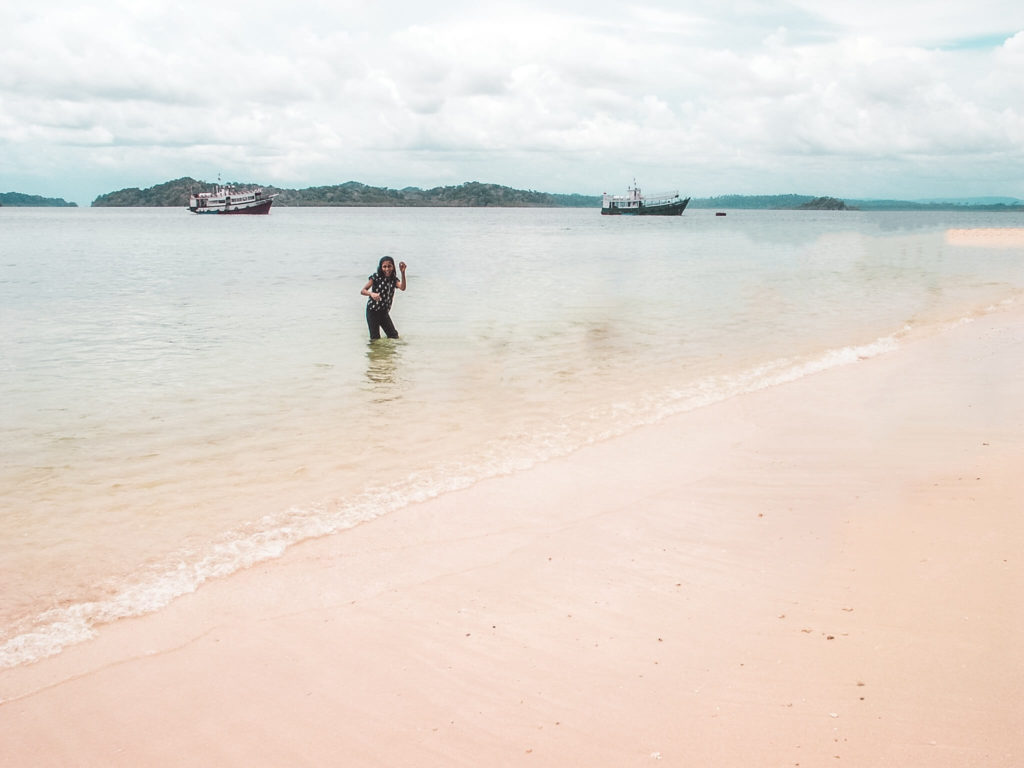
(380, 272)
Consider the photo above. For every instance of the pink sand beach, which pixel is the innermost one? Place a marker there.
(826, 572)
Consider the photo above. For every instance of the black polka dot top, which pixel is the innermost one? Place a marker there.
(385, 286)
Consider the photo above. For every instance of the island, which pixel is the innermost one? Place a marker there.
(355, 194)
(21, 200)
(825, 204)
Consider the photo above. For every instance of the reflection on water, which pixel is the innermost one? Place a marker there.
(382, 368)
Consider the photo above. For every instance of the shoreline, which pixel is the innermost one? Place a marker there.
(79, 621)
(825, 568)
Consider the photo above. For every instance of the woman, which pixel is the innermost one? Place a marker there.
(381, 289)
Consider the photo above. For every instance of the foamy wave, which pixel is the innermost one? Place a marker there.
(716, 389)
(61, 627)
(240, 549)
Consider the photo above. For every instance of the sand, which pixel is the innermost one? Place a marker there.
(824, 572)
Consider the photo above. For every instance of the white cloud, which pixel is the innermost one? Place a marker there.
(746, 96)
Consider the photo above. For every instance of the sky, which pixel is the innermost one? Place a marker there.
(867, 99)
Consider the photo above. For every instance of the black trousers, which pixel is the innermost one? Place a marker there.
(377, 319)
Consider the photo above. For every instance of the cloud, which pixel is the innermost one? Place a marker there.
(747, 96)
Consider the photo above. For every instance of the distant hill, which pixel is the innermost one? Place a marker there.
(824, 204)
(352, 193)
(807, 202)
(169, 194)
(972, 201)
(761, 202)
(904, 205)
(471, 194)
(17, 199)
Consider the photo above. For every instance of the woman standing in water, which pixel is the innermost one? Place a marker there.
(381, 289)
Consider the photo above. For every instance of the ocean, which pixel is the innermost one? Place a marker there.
(185, 396)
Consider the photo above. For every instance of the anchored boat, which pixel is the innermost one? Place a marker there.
(635, 203)
(227, 199)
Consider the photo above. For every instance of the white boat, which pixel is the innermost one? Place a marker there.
(227, 199)
(635, 203)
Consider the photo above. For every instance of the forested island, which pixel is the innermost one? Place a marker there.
(354, 194)
(21, 200)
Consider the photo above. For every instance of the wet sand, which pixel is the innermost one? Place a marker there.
(828, 570)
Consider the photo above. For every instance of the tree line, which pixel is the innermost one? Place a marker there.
(352, 193)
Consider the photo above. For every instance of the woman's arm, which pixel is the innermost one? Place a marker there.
(401, 283)
(367, 292)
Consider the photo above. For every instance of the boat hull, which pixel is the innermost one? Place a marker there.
(668, 209)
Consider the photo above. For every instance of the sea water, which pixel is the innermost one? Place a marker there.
(183, 396)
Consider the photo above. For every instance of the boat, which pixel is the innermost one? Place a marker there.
(227, 199)
(635, 203)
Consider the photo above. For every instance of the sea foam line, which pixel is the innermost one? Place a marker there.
(59, 628)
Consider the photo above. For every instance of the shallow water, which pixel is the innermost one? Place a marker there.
(183, 396)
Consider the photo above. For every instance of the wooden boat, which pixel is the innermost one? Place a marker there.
(227, 199)
(635, 203)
